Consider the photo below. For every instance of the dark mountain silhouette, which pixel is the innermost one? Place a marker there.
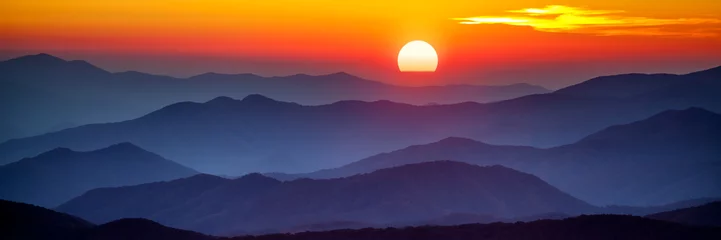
(327, 226)
(694, 126)
(25, 221)
(583, 227)
(465, 218)
(140, 229)
(671, 156)
(48, 69)
(28, 222)
(58, 175)
(405, 194)
(88, 94)
(622, 86)
(633, 85)
(704, 215)
(643, 211)
(22, 221)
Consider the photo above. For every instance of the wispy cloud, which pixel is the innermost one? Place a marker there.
(558, 18)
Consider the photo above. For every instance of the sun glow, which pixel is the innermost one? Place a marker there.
(417, 56)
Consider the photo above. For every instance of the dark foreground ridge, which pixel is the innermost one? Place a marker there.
(705, 215)
(589, 227)
(24, 221)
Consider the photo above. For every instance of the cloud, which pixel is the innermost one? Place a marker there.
(558, 18)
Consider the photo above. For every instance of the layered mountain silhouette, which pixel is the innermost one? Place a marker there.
(56, 176)
(704, 215)
(78, 92)
(139, 229)
(671, 156)
(647, 210)
(645, 85)
(31, 222)
(582, 227)
(259, 134)
(28, 222)
(25, 221)
(255, 203)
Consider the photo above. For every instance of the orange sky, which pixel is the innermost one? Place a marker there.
(277, 37)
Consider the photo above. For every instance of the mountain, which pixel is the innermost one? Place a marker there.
(259, 134)
(242, 136)
(583, 227)
(633, 85)
(58, 175)
(140, 229)
(25, 221)
(29, 222)
(83, 93)
(644, 211)
(705, 215)
(455, 148)
(622, 86)
(695, 126)
(669, 157)
(404, 194)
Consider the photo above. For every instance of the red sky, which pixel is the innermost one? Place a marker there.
(529, 41)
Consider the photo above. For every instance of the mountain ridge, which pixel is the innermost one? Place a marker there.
(265, 203)
(104, 95)
(683, 152)
(58, 175)
(30, 222)
(704, 215)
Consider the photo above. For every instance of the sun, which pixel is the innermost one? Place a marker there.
(417, 56)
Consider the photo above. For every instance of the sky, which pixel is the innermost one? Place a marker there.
(549, 43)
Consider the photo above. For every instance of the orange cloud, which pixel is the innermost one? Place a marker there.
(558, 18)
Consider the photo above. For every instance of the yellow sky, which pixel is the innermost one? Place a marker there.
(369, 31)
(282, 15)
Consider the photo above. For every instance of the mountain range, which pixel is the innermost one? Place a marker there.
(704, 215)
(255, 203)
(59, 175)
(671, 156)
(30, 222)
(41, 92)
(260, 134)
(26, 221)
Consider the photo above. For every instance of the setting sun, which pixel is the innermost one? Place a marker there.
(417, 56)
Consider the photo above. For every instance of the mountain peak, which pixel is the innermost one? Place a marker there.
(60, 151)
(440, 166)
(458, 140)
(131, 223)
(257, 98)
(342, 75)
(41, 58)
(48, 65)
(217, 76)
(256, 177)
(302, 75)
(221, 100)
(124, 146)
(202, 176)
